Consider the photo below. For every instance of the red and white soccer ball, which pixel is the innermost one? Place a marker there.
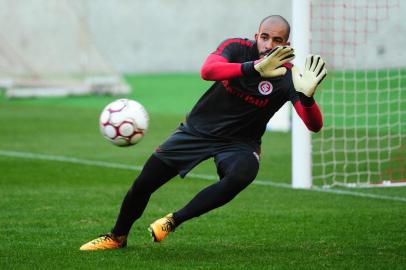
(124, 122)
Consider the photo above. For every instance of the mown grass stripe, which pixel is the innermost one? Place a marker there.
(104, 164)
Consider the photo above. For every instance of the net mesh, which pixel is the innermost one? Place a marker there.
(363, 100)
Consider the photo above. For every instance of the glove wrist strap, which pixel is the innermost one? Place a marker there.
(305, 100)
(247, 69)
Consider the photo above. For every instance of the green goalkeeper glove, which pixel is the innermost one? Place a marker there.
(312, 76)
(270, 65)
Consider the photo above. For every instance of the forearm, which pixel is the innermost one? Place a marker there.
(309, 112)
(217, 68)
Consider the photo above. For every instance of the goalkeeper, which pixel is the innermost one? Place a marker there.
(253, 79)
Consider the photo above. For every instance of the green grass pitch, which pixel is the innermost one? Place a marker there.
(58, 189)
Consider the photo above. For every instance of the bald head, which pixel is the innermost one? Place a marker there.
(276, 20)
(273, 31)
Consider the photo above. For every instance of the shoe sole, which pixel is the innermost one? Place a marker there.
(151, 232)
(103, 248)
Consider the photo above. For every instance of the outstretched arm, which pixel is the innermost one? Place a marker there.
(305, 84)
(309, 112)
(218, 67)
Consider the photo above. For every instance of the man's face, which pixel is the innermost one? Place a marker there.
(271, 34)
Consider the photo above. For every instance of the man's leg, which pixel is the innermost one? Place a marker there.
(154, 174)
(236, 173)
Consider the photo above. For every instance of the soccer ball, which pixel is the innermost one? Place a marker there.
(124, 122)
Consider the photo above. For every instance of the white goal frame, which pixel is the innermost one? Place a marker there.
(301, 139)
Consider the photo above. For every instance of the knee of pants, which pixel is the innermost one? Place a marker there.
(240, 169)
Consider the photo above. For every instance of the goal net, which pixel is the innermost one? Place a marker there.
(47, 49)
(363, 141)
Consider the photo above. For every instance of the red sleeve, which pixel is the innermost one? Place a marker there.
(217, 68)
(311, 115)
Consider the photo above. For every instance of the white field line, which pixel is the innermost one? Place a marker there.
(104, 164)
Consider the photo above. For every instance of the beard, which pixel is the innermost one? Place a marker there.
(264, 53)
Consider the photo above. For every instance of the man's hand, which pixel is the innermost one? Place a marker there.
(270, 65)
(313, 74)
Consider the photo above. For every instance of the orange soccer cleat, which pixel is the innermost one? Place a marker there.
(162, 227)
(106, 241)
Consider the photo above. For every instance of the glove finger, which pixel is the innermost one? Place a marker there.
(319, 66)
(321, 76)
(315, 62)
(308, 63)
(285, 52)
(287, 58)
(275, 51)
(286, 49)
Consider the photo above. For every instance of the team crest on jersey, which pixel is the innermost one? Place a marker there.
(265, 88)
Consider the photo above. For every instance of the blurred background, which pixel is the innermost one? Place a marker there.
(133, 36)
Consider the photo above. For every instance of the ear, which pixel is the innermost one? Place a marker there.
(256, 36)
(287, 43)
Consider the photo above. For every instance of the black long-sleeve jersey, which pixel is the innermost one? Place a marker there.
(240, 108)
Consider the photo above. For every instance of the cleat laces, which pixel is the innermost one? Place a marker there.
(168, 226)
(102, 238)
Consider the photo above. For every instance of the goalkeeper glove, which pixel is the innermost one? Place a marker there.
(270, 65)
(312, 76)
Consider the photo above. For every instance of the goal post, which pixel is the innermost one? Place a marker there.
(301, 141)
(363, 99)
